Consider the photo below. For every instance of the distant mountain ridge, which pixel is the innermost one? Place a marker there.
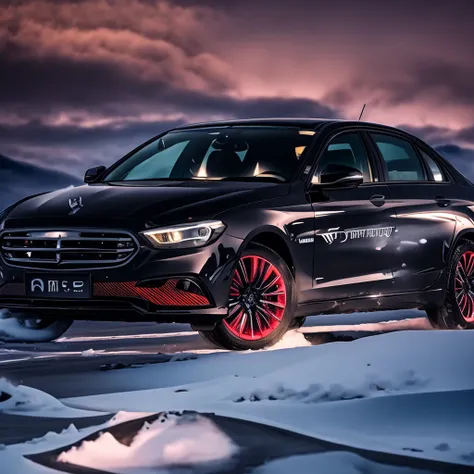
(461, 158)
(19, 179)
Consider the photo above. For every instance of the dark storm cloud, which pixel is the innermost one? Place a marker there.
(64, 83)
(466, 134)
(28, 85)
(40, 132)
(36, 133)
(438, 136)
(92, 53)
(438, 82)
(461, 158)
(86, 80)
(66, 146)
(448, 80)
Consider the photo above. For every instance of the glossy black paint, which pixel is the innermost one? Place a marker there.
(93, 174)
(338, 176)
(367, 247)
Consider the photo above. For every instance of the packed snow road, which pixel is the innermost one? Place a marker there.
(369, 405)
(75, 364)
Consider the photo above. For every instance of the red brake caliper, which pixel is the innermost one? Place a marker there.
(464, 286)
(257, 299)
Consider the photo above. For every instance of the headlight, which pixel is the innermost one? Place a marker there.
(185, 235)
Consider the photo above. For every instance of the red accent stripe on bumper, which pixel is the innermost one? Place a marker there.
(165, 295)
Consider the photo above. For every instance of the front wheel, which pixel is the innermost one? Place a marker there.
(30, 327)
(458, 310)
(261, 303)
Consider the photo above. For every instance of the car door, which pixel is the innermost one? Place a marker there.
(353, 227)
(423, 202)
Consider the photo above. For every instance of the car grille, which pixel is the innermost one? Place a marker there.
(68, 248)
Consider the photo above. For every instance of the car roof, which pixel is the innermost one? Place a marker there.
(281, 121)
(307, 123)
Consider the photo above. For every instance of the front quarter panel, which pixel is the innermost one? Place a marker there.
(290, 219)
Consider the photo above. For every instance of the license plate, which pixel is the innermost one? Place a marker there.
(58, 286)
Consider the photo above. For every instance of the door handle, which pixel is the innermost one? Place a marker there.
(442, 201)
(378, 200)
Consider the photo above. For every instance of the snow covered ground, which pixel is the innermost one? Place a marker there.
(28, 401)
(404, 393)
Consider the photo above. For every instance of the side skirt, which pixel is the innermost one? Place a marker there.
(429, 299)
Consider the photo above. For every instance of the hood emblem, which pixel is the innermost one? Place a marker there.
(75, 204)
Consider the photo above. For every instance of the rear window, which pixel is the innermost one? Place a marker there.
(400, 157)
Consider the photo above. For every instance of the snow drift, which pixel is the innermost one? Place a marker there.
(170, 440)
(406, 393)
(21, 400)
(403, 392)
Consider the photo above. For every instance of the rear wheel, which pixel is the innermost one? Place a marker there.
(15, 327)
(458, 310)
(261, 303)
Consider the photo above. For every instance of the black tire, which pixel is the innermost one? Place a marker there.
(450, 315)
(30, 328)
(297, 323)
(223, 336)
(209, 336)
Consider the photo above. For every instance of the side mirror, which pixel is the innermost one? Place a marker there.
(92, 174)
(338, 176)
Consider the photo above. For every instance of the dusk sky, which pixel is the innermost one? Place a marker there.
(84, 81)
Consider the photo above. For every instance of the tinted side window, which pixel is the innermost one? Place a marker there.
(433, 166)
(400, 158)
(346, 149)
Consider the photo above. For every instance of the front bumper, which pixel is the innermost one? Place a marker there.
(186, 285)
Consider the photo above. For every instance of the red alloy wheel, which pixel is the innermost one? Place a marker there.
(464, 286)
(257, 299)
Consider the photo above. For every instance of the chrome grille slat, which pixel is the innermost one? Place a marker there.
(67, 249)
(29, 260)
(87, 262)
(105, 239)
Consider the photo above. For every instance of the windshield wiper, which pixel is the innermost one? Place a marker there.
(140, 181)
(273, 179)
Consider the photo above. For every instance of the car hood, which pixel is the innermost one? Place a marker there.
(139, 205)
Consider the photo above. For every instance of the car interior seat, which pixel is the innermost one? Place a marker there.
(224, 163)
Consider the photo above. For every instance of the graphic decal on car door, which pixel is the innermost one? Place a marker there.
(335, 234)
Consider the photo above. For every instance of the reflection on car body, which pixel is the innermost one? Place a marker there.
(244, 228)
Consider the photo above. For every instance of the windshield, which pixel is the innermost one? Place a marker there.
(217, 153)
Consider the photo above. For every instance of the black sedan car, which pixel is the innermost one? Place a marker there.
(242, 229)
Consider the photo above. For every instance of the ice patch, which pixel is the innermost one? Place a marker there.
(169, 441)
